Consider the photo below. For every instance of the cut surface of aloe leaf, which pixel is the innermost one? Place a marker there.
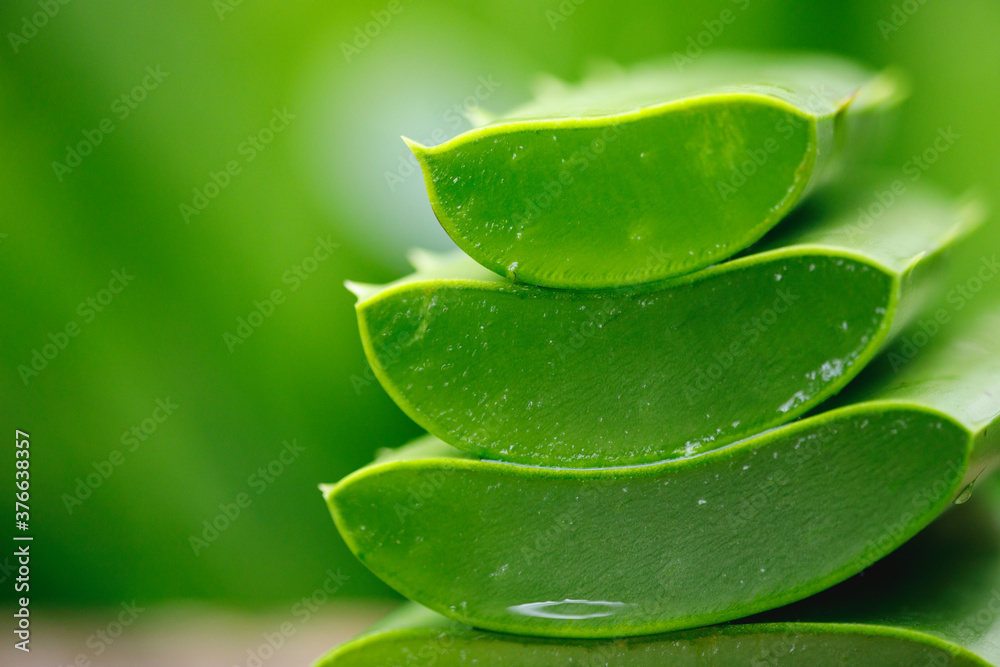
(679, 544)
(932, 603)
(573, 378)
(652, 173)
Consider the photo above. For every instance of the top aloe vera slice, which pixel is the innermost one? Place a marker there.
(639, 176)
(580, 378)
(934, 603)
(635, 550)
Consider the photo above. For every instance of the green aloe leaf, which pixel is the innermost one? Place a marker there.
(679, 544)
(934, 603)
(580, 378)
(639, 176)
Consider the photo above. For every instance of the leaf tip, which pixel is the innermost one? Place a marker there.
(846, 101)
(416, 147)
(362, 291)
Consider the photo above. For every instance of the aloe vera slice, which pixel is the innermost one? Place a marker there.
(640, 176)
(934, 603)
(679, 544)
(581, 379)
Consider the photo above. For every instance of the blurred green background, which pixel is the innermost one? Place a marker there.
(309, 130)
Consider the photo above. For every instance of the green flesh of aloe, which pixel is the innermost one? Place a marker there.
(679, 544)
(934, 603)
(583, 379)
(638, 177)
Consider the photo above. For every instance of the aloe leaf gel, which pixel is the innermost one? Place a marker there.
(578, 188)
(633, 550)
(585, 379)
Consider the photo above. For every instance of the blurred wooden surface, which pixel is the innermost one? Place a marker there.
(188, 636)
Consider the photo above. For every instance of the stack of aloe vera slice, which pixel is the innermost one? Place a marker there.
(640, 395)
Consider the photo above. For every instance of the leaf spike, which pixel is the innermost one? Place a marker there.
(418, 148)
(362, 290)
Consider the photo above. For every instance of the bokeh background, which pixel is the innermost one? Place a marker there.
(170, 95)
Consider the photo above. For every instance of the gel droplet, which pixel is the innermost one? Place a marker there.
(568, 610)
(965, 494)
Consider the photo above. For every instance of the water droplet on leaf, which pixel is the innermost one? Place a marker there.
(965, 494)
